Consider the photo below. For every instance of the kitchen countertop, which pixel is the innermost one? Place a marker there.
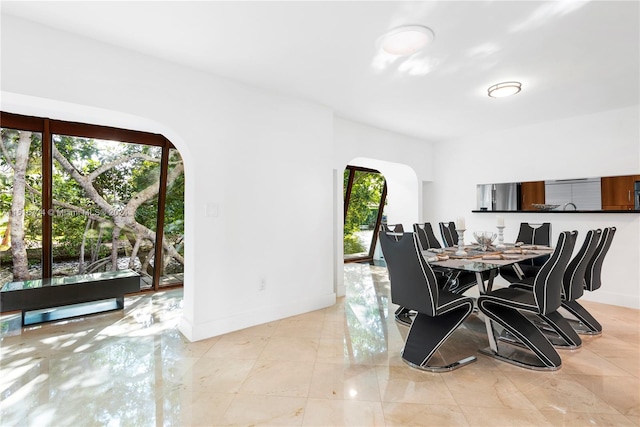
(560, 212)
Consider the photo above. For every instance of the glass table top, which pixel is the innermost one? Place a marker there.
(479, 267)
(474, 261)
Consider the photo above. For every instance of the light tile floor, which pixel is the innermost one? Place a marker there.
(331, 367)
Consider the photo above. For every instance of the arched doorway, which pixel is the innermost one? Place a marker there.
(403, 199)
(365, 194)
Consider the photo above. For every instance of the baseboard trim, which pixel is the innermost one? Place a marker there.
(621, 300)
(197, 332)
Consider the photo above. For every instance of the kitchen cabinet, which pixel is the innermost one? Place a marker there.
(618, 192)
(592, 194)
(531, 193)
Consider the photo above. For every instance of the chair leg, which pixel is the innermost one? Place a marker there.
(586, 324)
(428, 333)
(562, 327)
(526, 333)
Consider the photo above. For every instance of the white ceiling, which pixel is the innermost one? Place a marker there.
(572, 57)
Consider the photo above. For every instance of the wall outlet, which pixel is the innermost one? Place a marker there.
(263, 284)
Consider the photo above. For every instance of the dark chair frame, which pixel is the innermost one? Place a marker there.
(572, 288)
(414, 286)
(449, 233)
(402, 315)
(426, 236)
(586, 324)
(531, 236)
(392, 228)
(510, 307)
(458, 281)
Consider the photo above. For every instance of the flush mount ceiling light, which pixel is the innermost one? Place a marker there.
(504, 89)
(406, 39)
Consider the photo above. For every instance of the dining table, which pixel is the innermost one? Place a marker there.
(485, 262)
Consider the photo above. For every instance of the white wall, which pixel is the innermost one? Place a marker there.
(601, 144)
(263, 159)
(353, 140)
(404, 162)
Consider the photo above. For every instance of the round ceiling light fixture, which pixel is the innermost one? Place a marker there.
(406, 39)
(503, 89)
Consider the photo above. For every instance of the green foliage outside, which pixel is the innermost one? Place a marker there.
(364, 201)
(119, 173)
(33, 176)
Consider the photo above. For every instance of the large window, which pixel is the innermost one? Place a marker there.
(365, 192)
(77, 198)
(173, 248)
(20, 205)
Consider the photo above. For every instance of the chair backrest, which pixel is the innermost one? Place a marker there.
(573, 281)
(592, 277)
(426, 237)
(547, 285)
(394, 229)
(413, 283)
(535, 234)
(449, 233)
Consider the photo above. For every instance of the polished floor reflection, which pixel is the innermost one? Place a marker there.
(331, 367)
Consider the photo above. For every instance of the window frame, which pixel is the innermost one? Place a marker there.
(48, 127)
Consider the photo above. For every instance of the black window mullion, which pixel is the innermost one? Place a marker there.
(47, 201)
(347, 193)
(374, 238)
(162, 196)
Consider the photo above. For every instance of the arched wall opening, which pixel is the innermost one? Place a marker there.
(403, 202)
(402, 190)
(365, 194)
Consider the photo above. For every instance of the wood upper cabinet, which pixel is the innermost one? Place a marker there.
(618, 192)
(531, 193)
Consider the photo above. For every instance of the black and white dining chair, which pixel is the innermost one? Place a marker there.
(535, 234)
(586, 323)
(458, 281)
(508, 307)
(392, 228)
(449, 233)
(402, 315)
(415, 286)
(426, 236)
(530, 234)
(572, 288)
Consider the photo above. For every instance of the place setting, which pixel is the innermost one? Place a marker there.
(486, 246)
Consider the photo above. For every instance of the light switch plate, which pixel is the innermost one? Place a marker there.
(212, 210)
